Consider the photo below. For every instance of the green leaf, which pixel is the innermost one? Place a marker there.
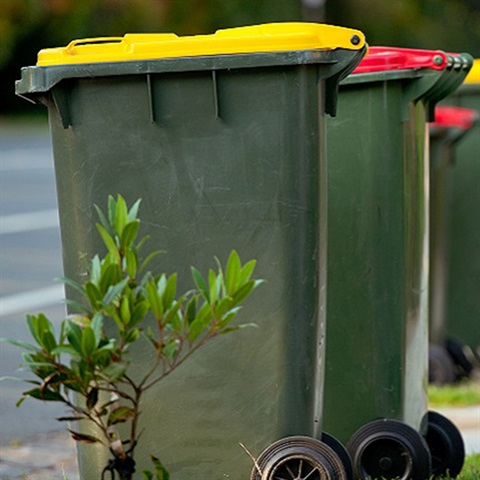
(32, 326)
(132, 213)
(18, 343)
(132, 335)
(205, 315)
(114, 291)
(97, 327)
(77, 306)
(222, 307)
(80, 320)
(232, 272)
(88, 341)
(172, 313)
(201, 284)
(115, 371)
(192, 309)
(74, 335)
(247, 271)
(71, 283)
(239, 327)
(171, 349)
(95, 270)
(49, 341)
(83, 438)
(155, 302)
(170, 291)
(139, 313)
(125, 310)
(196, 329)
(160, 471)
(243, 292)
(93, 294)
(103, 219)
(214, 286)
(109, 242)
(149, 259)
(120, 415)
(92, 398)
(8, 378)
(130, 263)
(121, 215)
(111, 275)
(64, 349)
(45, 394)
(129, 234)
(112, 207)
(147, 474)
(45, 332)
(229, 316)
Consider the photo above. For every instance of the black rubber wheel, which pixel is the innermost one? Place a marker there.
(446, 446)
(298, 458)
(441, 369)
(338, 447)
(457, 351)
(389, 449)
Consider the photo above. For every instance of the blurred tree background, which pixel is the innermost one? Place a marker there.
(26, 26)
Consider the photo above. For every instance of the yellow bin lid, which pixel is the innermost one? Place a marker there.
(474, 74)
(270, 37)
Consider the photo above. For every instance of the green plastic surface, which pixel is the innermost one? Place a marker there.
(377, 296)
(463, 300)
(224, 156)
(443, 145)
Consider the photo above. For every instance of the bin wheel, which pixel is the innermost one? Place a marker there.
(341, 451)
(462, 356)
(389, 449)
(298, 458)
(441, 369)
(446, 446)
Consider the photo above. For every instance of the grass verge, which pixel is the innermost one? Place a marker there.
(459, 395)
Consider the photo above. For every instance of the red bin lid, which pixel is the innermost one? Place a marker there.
(381, 59)
(455, 117)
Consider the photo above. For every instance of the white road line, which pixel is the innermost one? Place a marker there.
(25, 301)
(27, 222)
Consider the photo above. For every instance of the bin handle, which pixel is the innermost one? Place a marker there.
(92, 41)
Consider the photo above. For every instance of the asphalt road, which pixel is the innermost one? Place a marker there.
(30, 258)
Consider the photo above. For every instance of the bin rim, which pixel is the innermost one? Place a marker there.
(455, 117)
(384, 59)
(262, 38)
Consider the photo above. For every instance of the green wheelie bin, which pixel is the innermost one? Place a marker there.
(452, 126)
(463, 299)
(223, 137)
(376, 372)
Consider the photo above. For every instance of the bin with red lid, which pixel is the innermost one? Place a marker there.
(377, 298)
(447, 362)
(463, 299)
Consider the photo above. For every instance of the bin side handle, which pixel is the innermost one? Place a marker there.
(61, 101)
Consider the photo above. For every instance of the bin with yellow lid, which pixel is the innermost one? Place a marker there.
(463, 283)
(223, 136)
(375, 396)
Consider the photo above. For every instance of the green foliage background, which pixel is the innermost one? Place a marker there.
(26, 26)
